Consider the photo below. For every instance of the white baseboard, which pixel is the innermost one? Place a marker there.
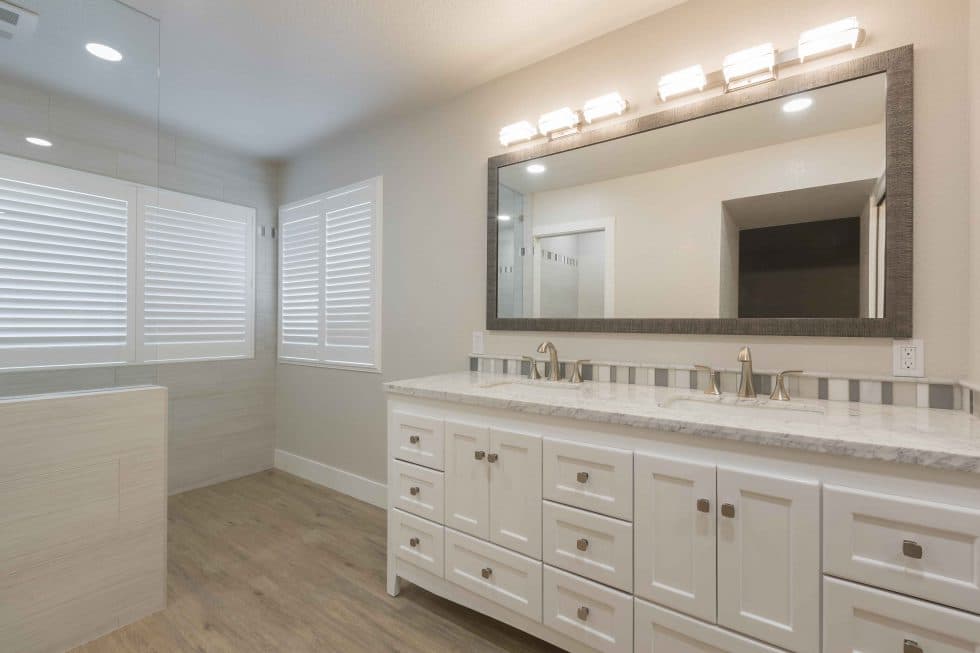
(353, 485)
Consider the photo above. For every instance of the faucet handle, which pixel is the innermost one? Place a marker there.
(779, 392)
(534, 373)
(712, 388)
(577, 370)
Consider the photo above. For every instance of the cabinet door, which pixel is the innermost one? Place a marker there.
(769, 558)
(468, 478)
(674, 522)
(515, 491)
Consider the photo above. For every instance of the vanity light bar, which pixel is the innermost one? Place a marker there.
(610, 104)
(560, 122)
(751, 66)
(828, 38)
(681, 81)
(517, 132)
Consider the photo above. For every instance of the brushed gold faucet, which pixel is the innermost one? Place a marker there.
(554, 374)
(746, 389)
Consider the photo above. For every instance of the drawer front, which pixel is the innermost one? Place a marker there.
(595, 546)
(860, 618)
(418, 439)
(595, 615)
(418, 542)
(419, 490)
(596, 478)
(494, 573)
(659, 630)
(921, 548)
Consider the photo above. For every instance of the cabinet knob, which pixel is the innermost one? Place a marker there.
(582, 477)
(486, 571)
(912, 549)
(491, 457)
(704, 505)
(479, 454)
(583, 613)
(414, 491)
(414, 542)
(582, 544)
(414, 439)
(728, 510)
(911, 647)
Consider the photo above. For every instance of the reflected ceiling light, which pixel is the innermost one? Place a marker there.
(680, 82)
(748, 67)
(104, 52)
(536, 168)
(828, 38)
(560, 122)
(503, 218)
(797, 104)
(40, 142)
(517, 132)
(610, 104)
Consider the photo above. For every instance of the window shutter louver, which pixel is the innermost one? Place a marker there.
(65, 271)
(330, 278)
(197, 275)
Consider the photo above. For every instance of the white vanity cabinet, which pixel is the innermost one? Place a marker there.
(613, 538)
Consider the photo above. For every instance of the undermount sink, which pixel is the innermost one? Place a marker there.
(728, 405)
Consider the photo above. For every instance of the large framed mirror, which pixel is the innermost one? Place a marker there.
(781, 209)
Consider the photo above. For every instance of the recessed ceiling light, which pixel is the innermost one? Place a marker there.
(104, 52)
(536, 168)
(798, 104)
(40, 142)
(503, 218)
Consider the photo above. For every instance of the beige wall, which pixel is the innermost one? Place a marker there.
(974, 68)
(222, 413)
(434, 164)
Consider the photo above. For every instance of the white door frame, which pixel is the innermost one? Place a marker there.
(608, 225)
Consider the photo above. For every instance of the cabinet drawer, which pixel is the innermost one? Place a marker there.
(591, 613)
(596, 478)
(418, 439)
(494, 573)
(418, 542)
(588, 544)
(419, 490)
(860, 618)
(925, 549)
(659, 630)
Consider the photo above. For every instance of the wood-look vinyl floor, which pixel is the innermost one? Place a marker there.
(271, 562)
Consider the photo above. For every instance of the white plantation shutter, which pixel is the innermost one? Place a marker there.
(300, 287)
(198, 278)
(330, 274)
(65, 266)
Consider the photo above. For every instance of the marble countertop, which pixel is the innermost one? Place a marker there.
(943, 439)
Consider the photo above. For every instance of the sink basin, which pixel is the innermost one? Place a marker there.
(729, 405)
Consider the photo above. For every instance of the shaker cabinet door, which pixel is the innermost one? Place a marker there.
(515, 491)
(468, 478)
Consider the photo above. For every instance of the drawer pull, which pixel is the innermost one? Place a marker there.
(582, 544)
(704, 505)
(414, 491)
(911, 647)
(414, 542)
(486, 571)
(479, 454)
(912, 549)
(728, 510)
(582, 477)
(491, 457)
(414, 439)
(583, 613)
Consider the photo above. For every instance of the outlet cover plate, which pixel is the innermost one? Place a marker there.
(908, 358)
(479, 346)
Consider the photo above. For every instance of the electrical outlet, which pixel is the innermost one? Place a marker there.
(908, 358)
(478, 345)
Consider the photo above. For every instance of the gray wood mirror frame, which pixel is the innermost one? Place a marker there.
(895, 319)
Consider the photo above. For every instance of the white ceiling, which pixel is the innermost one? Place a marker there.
(269, 77)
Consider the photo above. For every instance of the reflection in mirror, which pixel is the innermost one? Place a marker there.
(772, 210)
